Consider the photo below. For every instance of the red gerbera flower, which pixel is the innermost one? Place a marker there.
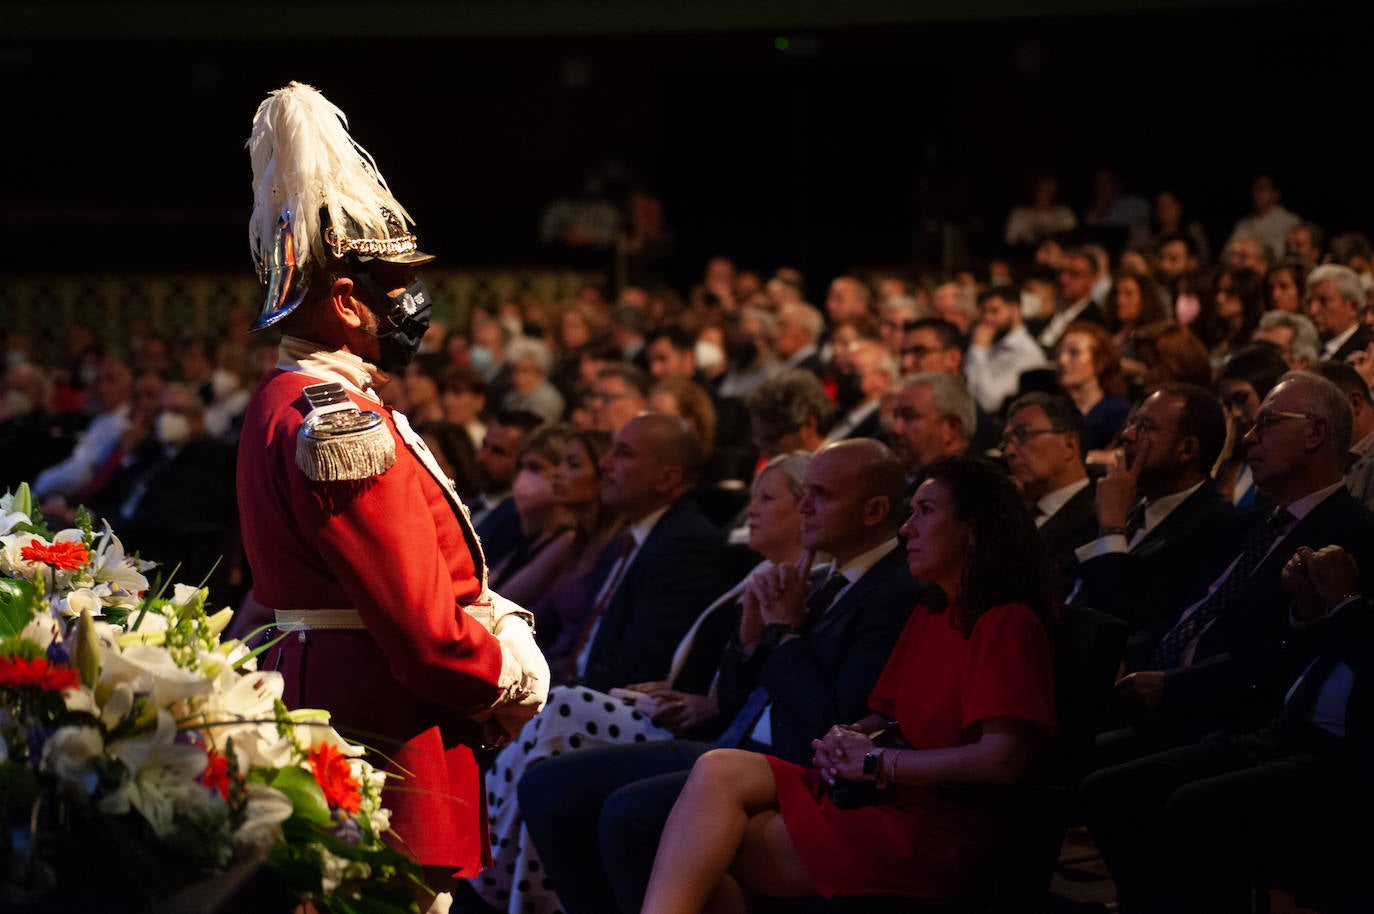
(335, 777)
(216, 773)
(16, 672)
(66, 555)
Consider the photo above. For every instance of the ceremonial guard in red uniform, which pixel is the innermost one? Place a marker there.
(355, 537)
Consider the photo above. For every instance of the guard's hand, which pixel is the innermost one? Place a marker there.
(1119, 489)
(1144, 689)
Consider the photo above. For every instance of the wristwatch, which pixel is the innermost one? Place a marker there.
(774, 632)
(873, 764)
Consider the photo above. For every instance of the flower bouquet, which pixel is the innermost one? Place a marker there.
(140, 755)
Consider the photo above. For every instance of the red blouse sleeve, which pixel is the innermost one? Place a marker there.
(883, 699)
(1009, 671)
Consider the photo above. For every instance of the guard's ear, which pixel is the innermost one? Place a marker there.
(343, 305)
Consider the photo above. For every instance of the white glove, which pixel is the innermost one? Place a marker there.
(525, 681)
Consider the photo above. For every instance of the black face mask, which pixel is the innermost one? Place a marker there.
(407, 314)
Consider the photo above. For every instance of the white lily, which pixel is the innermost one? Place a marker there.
(69, 756)
(267, 808)
(12, 562)
(163, 776)
(42, 630)
(243, 709)
(109, 565)
(149, 669)
(82, 598)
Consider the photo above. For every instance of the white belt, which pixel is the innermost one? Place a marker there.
(304, 620)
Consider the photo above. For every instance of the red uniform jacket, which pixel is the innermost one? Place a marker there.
(393, 548)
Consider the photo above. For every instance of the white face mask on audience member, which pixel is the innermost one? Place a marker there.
(531, 491)
(223, 382)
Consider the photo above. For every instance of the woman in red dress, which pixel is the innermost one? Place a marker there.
(968, 688)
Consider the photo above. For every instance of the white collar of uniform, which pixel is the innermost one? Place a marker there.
(307, 357)
(1057, 499)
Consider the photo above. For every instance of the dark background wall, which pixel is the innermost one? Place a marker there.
(818, 141)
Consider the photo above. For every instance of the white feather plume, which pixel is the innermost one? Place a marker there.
(304, 160)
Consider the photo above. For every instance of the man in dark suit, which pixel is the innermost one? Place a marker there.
(1157, 509)
(796, 336)
(865, 374)
(1188, 829)
(801, 663)
(1042, 445)
(1335, 300)
(1221, 659)
(667, 564)
(1077, 276)
(174, 502)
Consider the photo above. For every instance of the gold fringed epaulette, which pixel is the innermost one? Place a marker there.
(337, 441)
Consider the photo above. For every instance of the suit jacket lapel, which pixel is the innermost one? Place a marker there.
(859, 590)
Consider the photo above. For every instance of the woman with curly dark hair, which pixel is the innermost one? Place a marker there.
(968, 682)
(1240, 301)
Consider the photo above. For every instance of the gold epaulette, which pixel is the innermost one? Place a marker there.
(337, 441)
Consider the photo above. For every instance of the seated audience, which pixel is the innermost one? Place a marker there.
(1042, 446)
(1218, 660)
(934, 417)
(1293, 335)
(801, 664)
(965, 699)
(685, 704)
(660, 571)
(424, 401)
(870, 372)
(999, 351)
(495, 517)
(530, 362)
(1359, 474)
(1287, 288)
(1156, 507)
(1335, 299)
(1169, 352)
(789, 412)
(1186, 830)
(1245, 380)
(1090, 374)
(619, 393)
(546, 527)
(1132, 303)
(112, 385)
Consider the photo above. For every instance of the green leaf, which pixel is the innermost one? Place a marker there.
(19, 600)
(307, 799)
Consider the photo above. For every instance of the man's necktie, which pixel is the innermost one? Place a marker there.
(817, 602)
(617, 574)
(1135, 522)
(1170, 650)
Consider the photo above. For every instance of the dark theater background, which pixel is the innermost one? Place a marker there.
(823, 136)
